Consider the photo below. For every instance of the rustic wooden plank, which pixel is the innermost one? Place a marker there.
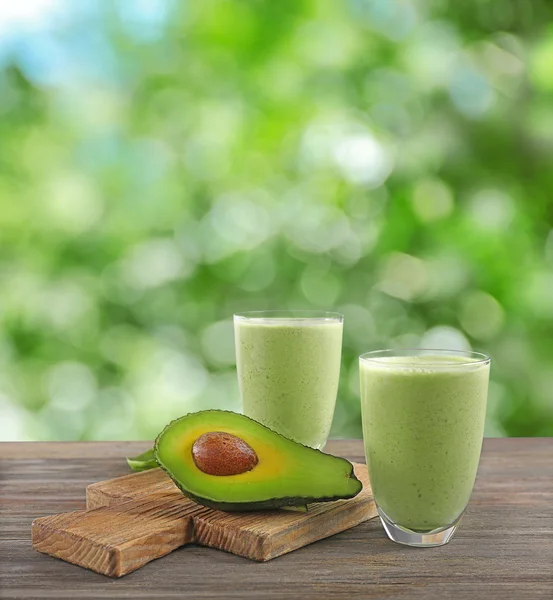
(263, 536)
(135, 519)
(129, 487)
(503, 549)
(118, 539)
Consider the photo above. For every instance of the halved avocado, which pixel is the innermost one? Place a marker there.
(283, 472)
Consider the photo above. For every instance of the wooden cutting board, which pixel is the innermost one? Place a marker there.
(137, 518)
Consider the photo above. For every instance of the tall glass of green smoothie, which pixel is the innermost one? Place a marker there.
(423, 424)
(288, 366)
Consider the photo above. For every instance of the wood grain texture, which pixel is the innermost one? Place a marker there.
(129, 487)
(134, 519)
(502, 550)
(118, 539)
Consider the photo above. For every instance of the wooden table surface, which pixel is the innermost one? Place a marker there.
(503, 549)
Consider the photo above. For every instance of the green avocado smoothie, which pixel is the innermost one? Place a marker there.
(423, 423)
(288, 372)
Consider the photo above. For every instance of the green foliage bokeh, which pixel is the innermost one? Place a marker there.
(164, 164)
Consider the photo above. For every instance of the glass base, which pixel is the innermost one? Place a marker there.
(418, 539)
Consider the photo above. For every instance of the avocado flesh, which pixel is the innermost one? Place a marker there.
(287, 473)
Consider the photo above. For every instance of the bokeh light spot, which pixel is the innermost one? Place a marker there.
(444, 337)
(13, 422)
(73, 203)
(481, 315)
(471, 91)
(541, 64)
(491, 210)
(538, 294)
(71, 386)
(363, 159)
(155, 262)
(320, 286)
(432, 200)
(448, 274)
(403, 276)
(217, 342)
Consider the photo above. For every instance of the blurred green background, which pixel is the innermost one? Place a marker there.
(166, 163)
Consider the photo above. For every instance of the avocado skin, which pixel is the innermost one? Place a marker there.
(262, 505)
(269, 504)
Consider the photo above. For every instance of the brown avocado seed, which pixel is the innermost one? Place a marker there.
(218, 453)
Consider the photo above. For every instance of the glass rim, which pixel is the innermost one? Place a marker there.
(477, 358)
(289, 315)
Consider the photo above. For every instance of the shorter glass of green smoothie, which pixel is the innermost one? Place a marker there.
(288, 365)
(423, 424)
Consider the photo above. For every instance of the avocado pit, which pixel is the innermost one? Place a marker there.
(223, 454)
